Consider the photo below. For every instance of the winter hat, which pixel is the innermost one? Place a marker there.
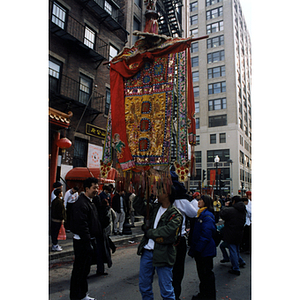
(196, 194)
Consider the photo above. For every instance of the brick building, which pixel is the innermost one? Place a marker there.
(84, 35)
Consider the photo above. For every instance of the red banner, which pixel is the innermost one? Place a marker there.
(212, 177)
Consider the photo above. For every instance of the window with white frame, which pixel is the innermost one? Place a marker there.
(112, 52)
(85, 88)
(58, 15)
(54, 74)
(108, 7)
(197, 107)
(89, 37)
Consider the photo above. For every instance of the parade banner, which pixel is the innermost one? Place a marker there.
(212, 177)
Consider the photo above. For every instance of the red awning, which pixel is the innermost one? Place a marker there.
(83, 173)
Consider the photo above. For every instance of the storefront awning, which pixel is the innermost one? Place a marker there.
(83, 173)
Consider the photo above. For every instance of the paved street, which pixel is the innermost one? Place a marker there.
(121, 283)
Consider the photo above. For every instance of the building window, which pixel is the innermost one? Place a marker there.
(59, 15)
(241, 123)
(215, 56)
(216, 88)
(222, 138)
(112, 52)
(195, 61)
(216, 72)
(215, 42)
(197, 107)
(197, 123)
(198, 157)
(80, 152)
(196, 91)
(136, 26)
(215, 121)
(89, 37)
(85, 89)
(197, 140)
(195, 76)
(194, 20)
(107, 102)
(194, 32)
(138, 3)
(54, 75)
(214, 13)
(217, 104)
(214, 27)
(211, 2)
(193, 6)
(108, 7)
(213, 138)
(241, 140)
(194, 47)
(224, 155)
(241, 157)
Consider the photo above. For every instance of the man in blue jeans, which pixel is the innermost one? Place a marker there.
(234, 217)
(157, 248)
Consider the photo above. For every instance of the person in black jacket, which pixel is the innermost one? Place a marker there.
(86, 227)
(234, 217)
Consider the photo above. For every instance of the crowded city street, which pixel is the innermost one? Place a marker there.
(122, 280)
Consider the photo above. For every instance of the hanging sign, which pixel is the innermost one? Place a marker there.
(95, 131)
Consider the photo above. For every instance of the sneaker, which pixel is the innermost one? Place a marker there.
(224, 261)
(56, 248)
(87, 297)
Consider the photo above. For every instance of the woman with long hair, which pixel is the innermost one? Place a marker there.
(203, 249)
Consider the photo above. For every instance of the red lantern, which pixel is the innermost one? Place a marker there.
(64, 144)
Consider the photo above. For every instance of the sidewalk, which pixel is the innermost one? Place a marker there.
(119, 240)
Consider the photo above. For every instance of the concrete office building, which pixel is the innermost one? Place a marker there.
(222, 72)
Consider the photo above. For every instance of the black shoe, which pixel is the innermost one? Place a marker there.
(101, 273)
(242, 265)
(115, 233)
(235, 272)
(224, 261)
(120, 233)
(196, 297)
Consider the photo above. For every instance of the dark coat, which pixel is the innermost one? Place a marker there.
(235, 218)
(116, 205)
(202, 243)
(84, 219)
(58, 211)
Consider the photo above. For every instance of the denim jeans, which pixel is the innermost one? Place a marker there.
(146, 278)
(223, 247)
(235, 256)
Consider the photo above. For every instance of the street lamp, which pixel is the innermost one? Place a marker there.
(217, 159)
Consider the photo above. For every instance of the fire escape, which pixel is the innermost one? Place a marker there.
(170, 17)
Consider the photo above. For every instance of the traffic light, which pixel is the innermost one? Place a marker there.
(222, 184)
(221, 175)
(204, 175)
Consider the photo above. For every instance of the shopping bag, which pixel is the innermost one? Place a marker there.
(62, 233)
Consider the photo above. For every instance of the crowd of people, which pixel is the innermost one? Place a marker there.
(178, 223)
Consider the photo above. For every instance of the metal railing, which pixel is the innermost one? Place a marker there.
(70, 88)
(77, 30)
